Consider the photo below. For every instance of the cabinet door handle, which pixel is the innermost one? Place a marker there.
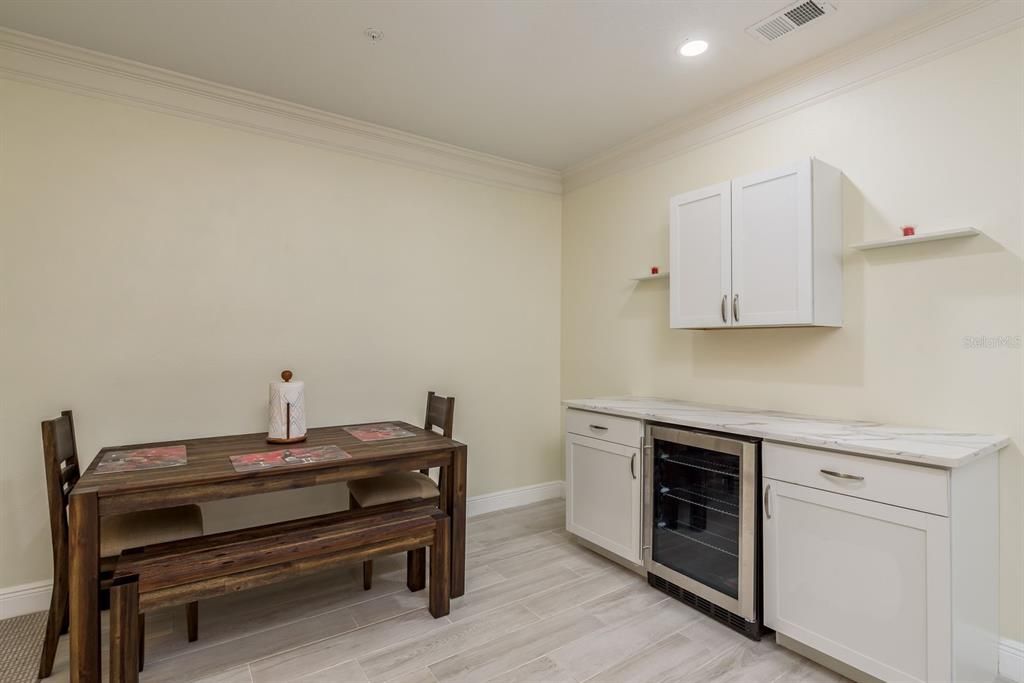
(767, 501)
(632, 465)
(725, 297)
(736, 307)
(603, 429)
(841, 475)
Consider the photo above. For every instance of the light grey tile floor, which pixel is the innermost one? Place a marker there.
(538, 607)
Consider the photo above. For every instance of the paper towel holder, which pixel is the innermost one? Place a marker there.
(286, 375)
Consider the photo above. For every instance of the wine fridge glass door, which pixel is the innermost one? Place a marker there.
(696, 514)
(700, 515)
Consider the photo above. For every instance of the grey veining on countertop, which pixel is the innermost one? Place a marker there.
(921, 445)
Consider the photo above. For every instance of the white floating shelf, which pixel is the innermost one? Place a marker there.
(916, 239)
(659, 276)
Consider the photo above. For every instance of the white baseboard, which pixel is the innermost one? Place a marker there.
(524, 495)
(35, 596)
(1011, 660)
(24, 599)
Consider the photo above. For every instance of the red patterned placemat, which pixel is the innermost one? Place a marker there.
(287, 457)
(142, 459)
(380, 431)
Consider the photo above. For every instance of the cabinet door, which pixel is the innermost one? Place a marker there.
(863, 582)
(603, 497)
(772, 249)
(700, 258)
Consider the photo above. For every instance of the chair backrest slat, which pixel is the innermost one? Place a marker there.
(440, 413)
(69, 477)
(60, 457)
(65, 437)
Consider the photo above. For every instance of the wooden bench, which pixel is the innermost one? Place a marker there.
(180, 572)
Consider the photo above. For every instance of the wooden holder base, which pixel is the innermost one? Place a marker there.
(299, 439)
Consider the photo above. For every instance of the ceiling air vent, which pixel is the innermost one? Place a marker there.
(790, 19)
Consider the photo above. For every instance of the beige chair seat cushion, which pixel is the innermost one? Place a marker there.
(147, 527)
(389, 488)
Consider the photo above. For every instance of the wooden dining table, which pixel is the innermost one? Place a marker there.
(209, 475)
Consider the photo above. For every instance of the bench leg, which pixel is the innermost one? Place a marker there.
(353, 504)
(440, 565)
(416, 569)
(124, 631)
(367, 574)
(192, 617)
(142, 642)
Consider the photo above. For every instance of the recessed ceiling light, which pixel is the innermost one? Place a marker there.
(692, 48)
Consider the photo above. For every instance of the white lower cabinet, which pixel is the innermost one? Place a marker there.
(872, 584)
(863, 582)
(603, 494)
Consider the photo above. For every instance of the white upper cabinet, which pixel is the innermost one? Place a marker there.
(772, 275)
(760, 251)
(700, 261)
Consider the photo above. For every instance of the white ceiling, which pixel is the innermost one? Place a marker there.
(548, 83)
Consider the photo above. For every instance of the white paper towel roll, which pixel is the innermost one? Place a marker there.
(287, 410)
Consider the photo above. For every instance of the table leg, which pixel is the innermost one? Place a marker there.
(444, 477)
(84, 575)
(457, 511)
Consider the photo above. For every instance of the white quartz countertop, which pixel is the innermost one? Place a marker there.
(920, 445)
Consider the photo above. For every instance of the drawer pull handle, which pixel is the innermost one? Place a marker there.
(841, 475)
(603, 429)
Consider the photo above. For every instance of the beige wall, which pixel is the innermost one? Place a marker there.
(187, 264)
(157, 273)
(940, 146)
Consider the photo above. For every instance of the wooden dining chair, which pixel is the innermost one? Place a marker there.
(60, 457)
(414, 487)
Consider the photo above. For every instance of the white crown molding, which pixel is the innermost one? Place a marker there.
(921, 38)
(28, 58)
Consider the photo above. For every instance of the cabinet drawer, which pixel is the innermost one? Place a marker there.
(895, 483)
(605, 427)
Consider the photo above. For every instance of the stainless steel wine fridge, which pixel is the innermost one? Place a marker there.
(702, 538)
